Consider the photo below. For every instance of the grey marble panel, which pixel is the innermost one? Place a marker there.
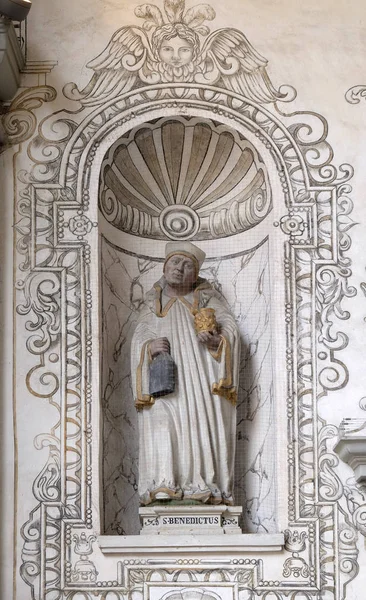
(125, 280)
(244, 281)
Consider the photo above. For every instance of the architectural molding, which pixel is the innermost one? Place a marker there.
(11, 61)
(35, 72)
(209, 545)
(351, 446)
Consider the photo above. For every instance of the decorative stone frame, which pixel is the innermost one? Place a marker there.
(57, 290)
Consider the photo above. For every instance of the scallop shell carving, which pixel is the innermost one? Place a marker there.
(184, 179)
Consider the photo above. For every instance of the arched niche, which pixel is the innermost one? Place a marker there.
(196, 178)
(58, 267)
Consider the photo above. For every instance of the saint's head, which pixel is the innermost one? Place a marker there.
(182, 264)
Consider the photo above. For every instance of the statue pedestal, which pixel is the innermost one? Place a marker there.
(183, 519)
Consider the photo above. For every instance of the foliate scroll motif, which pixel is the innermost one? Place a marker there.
(19, 122)
(355, 492)
(314, 262)
(42, 297)
(332, 287)
(170, 50)
(355, 94)
(356, 504)
(183, 178)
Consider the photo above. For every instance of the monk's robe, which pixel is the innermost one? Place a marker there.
(187, 438)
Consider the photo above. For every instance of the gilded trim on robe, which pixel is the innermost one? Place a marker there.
(162, 312)
(216, 354)
(142, 399)
(225, 386)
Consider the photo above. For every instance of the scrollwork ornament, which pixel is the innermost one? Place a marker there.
(19, 122)
(295, 567)
(362, 403)
(330, 488)
(359, 518)
(332, 288)
(41, 301)
(355, 94)
(23, 228)
(356, 504)
(57, 159)
(348, 552)
(46, 487)
(31, 533)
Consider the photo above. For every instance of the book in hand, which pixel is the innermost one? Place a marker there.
(162, 375)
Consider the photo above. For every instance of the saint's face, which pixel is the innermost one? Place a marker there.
(180, 271)
(176, 52)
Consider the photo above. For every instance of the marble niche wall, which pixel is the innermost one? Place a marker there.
(187, 179)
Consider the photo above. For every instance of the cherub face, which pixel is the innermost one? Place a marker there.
(176, 52)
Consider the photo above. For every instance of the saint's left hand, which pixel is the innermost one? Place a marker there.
(210, 339)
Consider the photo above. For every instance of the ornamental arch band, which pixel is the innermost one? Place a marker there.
(305, 239)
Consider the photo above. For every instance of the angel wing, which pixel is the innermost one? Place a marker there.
(228, 56)
(116, 68)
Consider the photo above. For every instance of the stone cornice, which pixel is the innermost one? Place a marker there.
(210, 545)
(11, 61)
(351, 446)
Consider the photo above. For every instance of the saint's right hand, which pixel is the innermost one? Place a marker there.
(159, 346)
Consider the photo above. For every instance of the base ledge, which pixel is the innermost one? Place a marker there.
(150, 545)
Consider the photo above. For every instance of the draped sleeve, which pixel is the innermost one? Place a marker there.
(140, 358)
(227, 355)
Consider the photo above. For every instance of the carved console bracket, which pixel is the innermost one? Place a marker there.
(11, 61)
(351, 446)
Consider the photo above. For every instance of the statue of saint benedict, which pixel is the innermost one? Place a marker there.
(185, 363)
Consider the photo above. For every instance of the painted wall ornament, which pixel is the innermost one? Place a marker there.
(19, 122)
(355, 94)
(84, 569)
(181, 179)
(173, 53)
(187, 431)
(54, 270)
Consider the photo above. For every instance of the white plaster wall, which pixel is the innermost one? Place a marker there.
(6, 361)
(318, 47)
